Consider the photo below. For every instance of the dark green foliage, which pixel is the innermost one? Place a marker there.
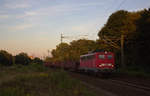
(6, 59)
(120, 23)
(72, 51)
(143, 39)
(22, 58)
(37, 60)
(135, 26)
(117, 24)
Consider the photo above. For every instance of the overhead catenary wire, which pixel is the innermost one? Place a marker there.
(119, 6)
(107, 40)
(107, 9)
(72, 37)
(122, 2)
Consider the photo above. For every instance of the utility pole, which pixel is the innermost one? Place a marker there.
(121, 48)
(122, 52)
(48, 53)
(61, 38)
(68, 37)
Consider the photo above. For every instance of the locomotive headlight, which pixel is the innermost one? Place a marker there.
(100, 65)
(109, 64)
(112, 65)
(103, 64)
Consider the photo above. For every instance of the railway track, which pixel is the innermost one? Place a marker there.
(145, 88)
(113, 86)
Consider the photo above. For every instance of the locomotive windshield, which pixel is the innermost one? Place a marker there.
(89, 57)
(101, 56)
(109, 56)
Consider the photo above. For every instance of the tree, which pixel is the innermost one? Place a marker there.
(37, 60)
(71, 52)
(135, 28)
(80, 47)
(22, 58)
(61, 53)
(121, 24)
(143, 39)
(6, 58)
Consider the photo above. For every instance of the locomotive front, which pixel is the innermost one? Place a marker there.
(105, 61)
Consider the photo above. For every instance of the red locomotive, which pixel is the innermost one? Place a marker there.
(97, 62)
(92, 62)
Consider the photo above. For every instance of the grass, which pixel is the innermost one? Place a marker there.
(134, 72)
(40, 81)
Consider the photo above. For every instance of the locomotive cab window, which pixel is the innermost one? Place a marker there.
(109, 56)
(101, 56)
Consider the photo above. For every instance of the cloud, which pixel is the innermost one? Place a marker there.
(15, 6)
(136, 9)
(91, 4)
(4, 16)
(20, 27)
(27, 14)
(30, 13)
(60, 9)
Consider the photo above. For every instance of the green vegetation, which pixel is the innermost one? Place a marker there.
(22, 58)
(7, 59)
(72, 51)
(31, 82)
(135, 28)
(133, 72)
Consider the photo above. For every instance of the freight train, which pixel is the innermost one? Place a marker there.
(96, 62)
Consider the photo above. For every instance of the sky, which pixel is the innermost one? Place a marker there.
(35, 26)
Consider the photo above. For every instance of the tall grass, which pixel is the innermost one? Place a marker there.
(42, 82)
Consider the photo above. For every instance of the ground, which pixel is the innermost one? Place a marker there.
(37, 80)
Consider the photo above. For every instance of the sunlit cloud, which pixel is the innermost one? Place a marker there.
(20, 27)
(137, 9)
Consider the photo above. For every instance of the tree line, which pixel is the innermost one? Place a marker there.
(72, 51)
(134, 26)
(7, 59)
